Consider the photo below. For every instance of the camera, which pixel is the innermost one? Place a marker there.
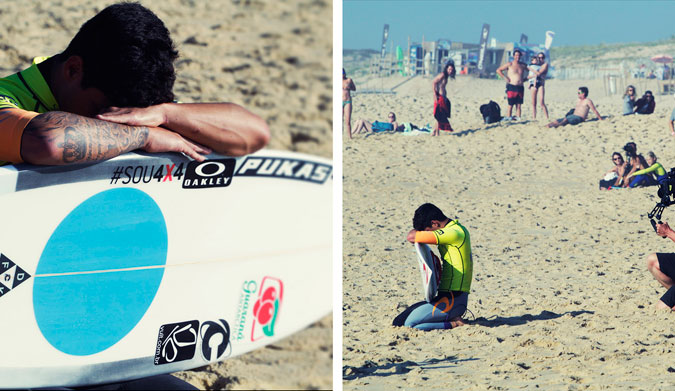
(666, 197)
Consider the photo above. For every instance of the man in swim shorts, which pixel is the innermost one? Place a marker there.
(584, 104)
(662, 267)
(515, 90)
(442, 107)
(445, 311)
(110, 92)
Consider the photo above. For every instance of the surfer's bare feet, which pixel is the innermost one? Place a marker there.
(457, 322)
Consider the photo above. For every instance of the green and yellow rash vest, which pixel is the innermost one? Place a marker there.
(454, 246)
(657, 168)
(23, 96)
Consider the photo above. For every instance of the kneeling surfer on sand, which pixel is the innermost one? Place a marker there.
(444, 311)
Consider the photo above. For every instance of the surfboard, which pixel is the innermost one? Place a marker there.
(149, 264)
(430, 270)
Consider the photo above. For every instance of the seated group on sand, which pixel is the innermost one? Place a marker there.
(635, 171)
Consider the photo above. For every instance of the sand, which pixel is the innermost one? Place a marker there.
(561, 298)
(274, 58)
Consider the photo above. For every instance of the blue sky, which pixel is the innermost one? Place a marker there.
(574, 22)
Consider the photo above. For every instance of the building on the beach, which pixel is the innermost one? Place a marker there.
(428, 57)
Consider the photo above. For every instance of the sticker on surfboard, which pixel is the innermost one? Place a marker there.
(430, 269)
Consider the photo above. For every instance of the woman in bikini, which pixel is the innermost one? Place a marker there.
(538, 74)
(347, 86)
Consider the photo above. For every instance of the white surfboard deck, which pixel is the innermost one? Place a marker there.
(150, 264)
(430, 270)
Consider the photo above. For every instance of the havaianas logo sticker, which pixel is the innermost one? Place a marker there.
(266, 308)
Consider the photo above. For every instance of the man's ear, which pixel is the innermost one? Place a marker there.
(73, 69)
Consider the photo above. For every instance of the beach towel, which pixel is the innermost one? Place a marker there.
(382, 126)
(442, 113)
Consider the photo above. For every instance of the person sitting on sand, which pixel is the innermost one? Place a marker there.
(445, 311)
(646, 104)
(442, 108)
(347, 86)
(635, 160)
(629, 100)
(580, 111)
(377, 126)
(614, 177)
(515, 90)
(662, 267)
(644, 177)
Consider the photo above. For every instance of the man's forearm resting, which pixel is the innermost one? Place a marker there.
(58, 137)
(227, 128)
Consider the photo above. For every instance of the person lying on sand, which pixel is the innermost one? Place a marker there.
(445, 311)
(580, 111)
(376, 126)
(110, 92)
(662, 267)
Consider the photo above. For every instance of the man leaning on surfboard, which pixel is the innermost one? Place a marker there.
(110, 92)
(445, 310)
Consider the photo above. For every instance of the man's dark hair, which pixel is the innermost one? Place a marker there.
(584, 90)
(445, 69)
(128, 54)
(630, 148)
(424, 214)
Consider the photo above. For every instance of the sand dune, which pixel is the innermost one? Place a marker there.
(561, 298)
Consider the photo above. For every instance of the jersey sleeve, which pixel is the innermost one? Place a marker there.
(13, 121)
(447, 236)
(647, 170)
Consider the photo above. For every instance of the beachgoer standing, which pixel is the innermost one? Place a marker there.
(441, 101)
(445, 310)
(537, 78)
(514, 82)
(347, 86)
(671, 121)
(580, 111)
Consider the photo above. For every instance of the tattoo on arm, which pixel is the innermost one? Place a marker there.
(83, 139)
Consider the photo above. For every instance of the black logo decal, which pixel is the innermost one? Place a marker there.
(301, 170)
(176, 342)
(11, 275)
(215, 339)
(209, 173)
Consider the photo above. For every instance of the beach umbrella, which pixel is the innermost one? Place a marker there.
(663, 59)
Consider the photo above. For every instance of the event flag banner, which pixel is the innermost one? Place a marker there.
(483, 46)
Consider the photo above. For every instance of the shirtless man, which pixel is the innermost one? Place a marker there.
(347, 86)
(515, 90)
(441, 102)
(580, 111)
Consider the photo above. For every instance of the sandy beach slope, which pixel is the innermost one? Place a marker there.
(561, 298)
(274, 58)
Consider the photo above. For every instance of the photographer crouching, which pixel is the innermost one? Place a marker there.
(662, 267)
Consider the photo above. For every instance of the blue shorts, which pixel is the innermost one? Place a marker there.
(572, 119)
(435, 315)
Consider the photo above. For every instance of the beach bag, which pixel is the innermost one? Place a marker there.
(491, 112)
(382, 126)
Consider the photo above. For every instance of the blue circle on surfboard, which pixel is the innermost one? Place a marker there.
(100, 271)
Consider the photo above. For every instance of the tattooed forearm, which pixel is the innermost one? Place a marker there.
(70, 138)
